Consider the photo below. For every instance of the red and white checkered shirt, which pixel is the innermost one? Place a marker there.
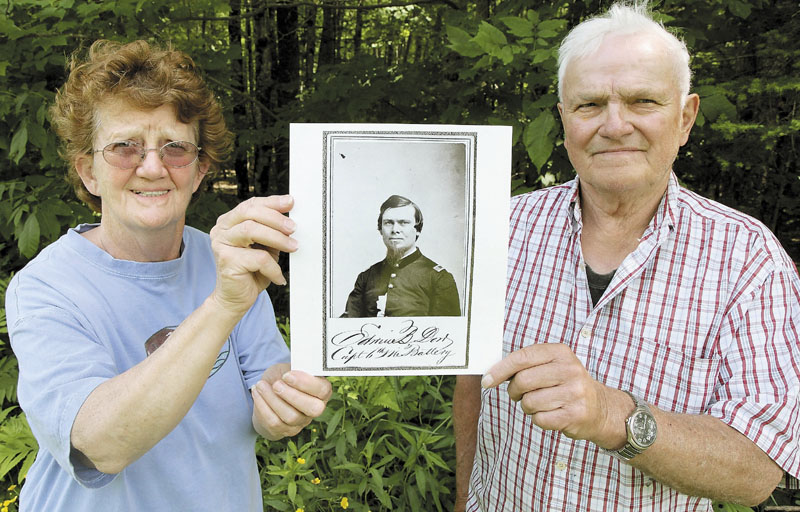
(702, 318)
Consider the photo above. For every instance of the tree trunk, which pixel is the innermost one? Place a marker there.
(287, 77)
(357, 34)
(239, 109)
(309, 44)
(327, 39)
(262, 91)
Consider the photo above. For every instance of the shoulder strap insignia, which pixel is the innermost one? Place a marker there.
(438, 268)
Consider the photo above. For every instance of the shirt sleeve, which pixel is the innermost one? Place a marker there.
(759, 388)
(258, 341)
(60, 364)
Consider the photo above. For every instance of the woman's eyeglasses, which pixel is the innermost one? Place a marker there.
(129, 154)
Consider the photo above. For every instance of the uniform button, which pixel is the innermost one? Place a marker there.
(391, 285)
(396, 264)
(393, 275)
(586, 332)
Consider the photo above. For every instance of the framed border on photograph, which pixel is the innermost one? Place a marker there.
(402, 235)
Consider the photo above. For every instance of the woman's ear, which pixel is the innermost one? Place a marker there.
(83, 164)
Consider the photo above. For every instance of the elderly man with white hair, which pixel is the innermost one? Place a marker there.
(651, 335)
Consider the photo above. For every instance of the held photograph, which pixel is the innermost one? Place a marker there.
(405, 247)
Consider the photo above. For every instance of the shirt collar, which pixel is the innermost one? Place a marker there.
(411, 258)
(663, 218)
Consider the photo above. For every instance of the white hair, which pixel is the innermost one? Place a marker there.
(623, 18)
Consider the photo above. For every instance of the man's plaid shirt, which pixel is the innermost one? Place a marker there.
(702, 318)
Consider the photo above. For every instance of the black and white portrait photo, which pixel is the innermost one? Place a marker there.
(399, 225)
(398, 229)
(405, 282)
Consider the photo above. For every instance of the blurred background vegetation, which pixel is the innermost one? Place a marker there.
(384, 444)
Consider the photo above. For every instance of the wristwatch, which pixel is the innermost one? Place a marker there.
(642, 430)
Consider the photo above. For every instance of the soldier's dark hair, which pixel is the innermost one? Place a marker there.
(396, 201)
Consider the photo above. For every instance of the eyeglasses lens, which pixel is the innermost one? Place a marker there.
(127, 155)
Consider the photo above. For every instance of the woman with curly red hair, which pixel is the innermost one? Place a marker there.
(148, 351)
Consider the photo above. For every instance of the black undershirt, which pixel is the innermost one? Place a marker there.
(598, 283)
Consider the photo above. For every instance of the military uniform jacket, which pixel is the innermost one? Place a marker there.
(415, 286)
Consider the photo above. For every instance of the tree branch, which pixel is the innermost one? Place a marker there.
(244, 95)
(324, 5)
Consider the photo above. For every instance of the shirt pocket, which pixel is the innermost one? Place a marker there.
(666, 377)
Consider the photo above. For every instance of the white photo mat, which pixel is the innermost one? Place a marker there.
(340, 174)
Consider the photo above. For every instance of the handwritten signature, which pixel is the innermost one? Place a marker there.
(373, 342)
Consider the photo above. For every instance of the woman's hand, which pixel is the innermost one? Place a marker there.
(285, 401)
(246, 242)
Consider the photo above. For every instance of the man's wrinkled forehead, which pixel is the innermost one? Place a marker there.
(637, 54)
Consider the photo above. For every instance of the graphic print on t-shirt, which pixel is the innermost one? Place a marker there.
(159, 338)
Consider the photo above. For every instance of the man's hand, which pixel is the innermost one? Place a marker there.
(246, 242)
(285, 401)
(552, 386)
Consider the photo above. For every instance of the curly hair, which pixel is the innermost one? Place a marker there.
(145, 76)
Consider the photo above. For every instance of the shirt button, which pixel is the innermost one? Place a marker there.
(393, 275)
(391, 285)
(586, 332)
(396, 264)
(561, 465)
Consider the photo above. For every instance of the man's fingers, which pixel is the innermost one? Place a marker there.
(527, 357)
(542, 376)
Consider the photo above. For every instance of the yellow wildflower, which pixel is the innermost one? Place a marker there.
(344, 503)
(301, 460)
(4, 509)
(299, 510)
(14, 486)
(315, 481)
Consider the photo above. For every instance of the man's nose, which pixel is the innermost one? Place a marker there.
(616, 122)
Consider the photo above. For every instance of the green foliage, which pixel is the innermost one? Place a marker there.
(18, 447)
(384, 443)
(33, 213)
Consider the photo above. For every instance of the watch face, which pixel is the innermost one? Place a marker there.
(643, 429)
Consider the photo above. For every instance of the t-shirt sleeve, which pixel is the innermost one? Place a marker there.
(258, 341)
(759, 390)
(60, 364)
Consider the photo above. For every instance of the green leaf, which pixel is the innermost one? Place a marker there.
(489, 37)
(334, 422)
(419, 475)
(717, 105)
(18, 142)
(462, 43)
(537, 139)
(541, 55)
(550, 28)
(739, 8)
(520, 27)
(28, 238)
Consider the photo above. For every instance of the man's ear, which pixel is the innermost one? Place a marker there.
(688, 116)
(84, 166)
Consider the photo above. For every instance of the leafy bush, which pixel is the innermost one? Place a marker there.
(383, 443)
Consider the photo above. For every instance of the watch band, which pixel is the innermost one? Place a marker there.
(631, 449)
